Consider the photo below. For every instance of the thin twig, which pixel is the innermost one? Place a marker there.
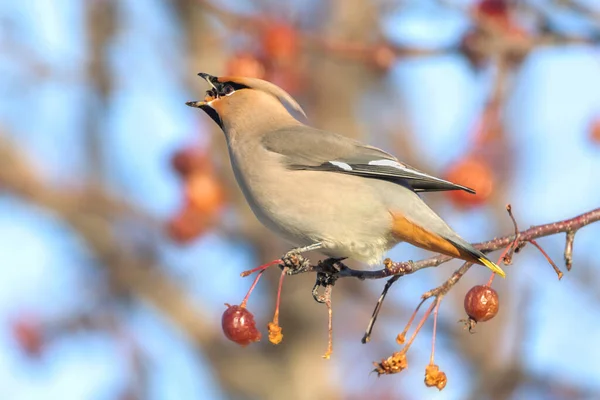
(556, 269)
(369, 329)
(435, 318)
(409, 267)
(508, 256)
(569, 249)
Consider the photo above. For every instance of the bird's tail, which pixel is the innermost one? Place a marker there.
(478, 257)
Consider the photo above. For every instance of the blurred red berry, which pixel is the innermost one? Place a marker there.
(595, 130)
(239, 326)
(481, 303)
(187, 225)
(495, 11)
(205, 193)
(280, 43)
(492, 7)
(187, 160)
(28, 332)
(245, 64)
(474, 173)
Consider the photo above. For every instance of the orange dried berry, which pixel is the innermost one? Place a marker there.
(434, 377)
(239, 326)
(474, 173)
(392, 365)
(481, 303)
(275, 335)
(401, 338)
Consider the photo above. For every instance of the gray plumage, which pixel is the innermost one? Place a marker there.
(306, 148)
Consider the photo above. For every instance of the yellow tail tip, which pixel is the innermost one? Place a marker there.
(496, 269)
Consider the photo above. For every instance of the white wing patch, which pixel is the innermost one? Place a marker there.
(341, 165)
(397, 165)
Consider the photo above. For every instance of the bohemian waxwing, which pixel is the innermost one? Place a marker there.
(320, 190)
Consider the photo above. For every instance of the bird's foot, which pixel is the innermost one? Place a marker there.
(295, 263)
(326, 277)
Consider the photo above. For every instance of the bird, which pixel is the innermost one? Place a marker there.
(321, 190)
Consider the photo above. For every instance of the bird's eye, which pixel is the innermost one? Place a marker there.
(227, 90)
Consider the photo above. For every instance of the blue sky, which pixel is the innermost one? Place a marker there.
(558, 91)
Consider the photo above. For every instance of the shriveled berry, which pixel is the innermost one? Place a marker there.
(239, 326)
(434, 377)
(392, 365)
(481, 303)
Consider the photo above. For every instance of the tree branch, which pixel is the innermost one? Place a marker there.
(397, 269)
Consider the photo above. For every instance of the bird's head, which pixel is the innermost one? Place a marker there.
(240, 103)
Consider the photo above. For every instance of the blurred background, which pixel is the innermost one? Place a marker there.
(122, 232)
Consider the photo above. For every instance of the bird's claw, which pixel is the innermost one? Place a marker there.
(295, 263)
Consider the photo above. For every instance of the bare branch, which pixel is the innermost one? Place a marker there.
(408, 267)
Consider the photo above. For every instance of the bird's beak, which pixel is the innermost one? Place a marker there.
(212, 80)
(197, 104)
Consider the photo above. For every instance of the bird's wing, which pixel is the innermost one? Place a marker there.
(306, 148)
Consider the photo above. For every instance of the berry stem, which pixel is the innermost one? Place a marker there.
(243, 304)
(328, 291)
(556, 269)
(276, 315)
(500, 259)
(438, 300)
(260, 268)
(421, 323)
(402, 335)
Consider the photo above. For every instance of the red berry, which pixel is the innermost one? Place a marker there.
(245, 64)
(595, 130)
(481, 303)
(187, 224)
(280, 42)
(495, 12)
(27, 331)
(239, 326)
(493, 8)
(474, 173)
(205, 193)
(188, 160)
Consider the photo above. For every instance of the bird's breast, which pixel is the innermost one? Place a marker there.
(346, 213)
